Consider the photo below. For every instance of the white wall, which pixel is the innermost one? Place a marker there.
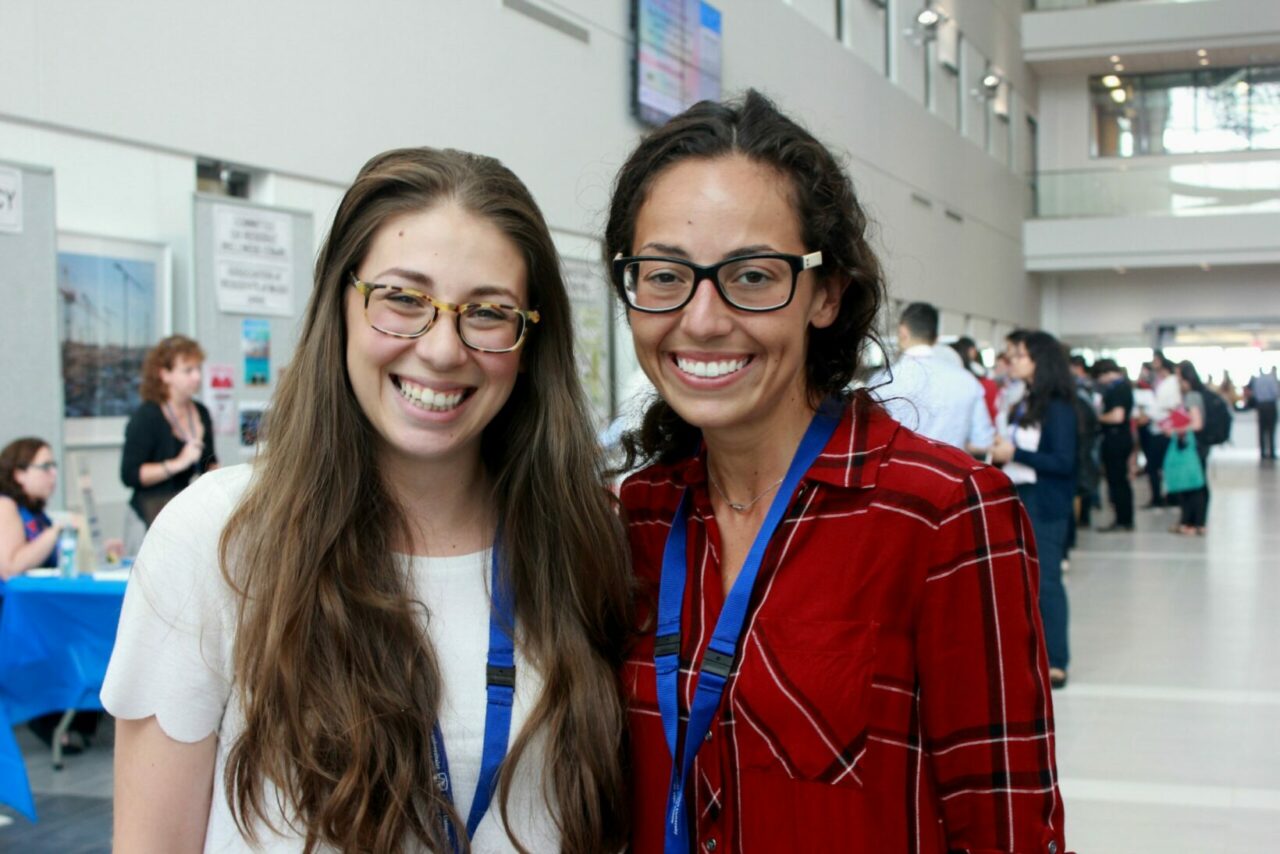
(1102, 304)
(1128, 28)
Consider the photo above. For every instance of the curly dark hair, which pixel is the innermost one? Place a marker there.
(831, 221)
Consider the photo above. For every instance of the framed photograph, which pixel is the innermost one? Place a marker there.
(114, 304)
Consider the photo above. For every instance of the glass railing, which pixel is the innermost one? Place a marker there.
(1052, 5)
(1176, 189)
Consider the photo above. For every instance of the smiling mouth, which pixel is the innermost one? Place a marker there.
(713, 369)
(429, 399)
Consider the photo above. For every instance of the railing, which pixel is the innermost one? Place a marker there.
(1176, 189)
(1051, 5)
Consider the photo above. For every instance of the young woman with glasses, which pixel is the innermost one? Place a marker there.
(399, 630)
(842, 649)
(28, 478)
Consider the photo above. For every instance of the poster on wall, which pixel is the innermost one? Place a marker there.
(113, 305)
(255, 345)
(590, 301)
(10, 200)
(251, 414)
(253, 260)
(219, 397)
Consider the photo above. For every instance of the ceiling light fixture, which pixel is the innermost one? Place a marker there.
(1202, 52)
(1111, 81)
(1119, 67)
(1115, 58)
(1119, 95)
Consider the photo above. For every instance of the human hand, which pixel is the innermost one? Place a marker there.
(189, 455)
(1001, 451)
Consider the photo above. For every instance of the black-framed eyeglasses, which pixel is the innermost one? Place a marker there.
(407, 313)
(44, 467)
(761, 282)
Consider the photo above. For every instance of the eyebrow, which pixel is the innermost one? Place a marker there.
(676, 251)
(425, 281)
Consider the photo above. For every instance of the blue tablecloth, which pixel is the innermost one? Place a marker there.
(56, 636)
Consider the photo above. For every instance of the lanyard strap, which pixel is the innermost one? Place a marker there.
(500, 689)
(717, 661)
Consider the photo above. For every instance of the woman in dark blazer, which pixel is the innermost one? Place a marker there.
(169, 439)
(1038, 452)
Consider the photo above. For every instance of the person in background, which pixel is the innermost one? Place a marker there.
(971, 358)
(871, 686)
(28, 478)
(1194, 502)
(934, 396)
(169, 438)
(1117, 439)
(1262, 392)
(1039, 455)
(1227, 388)
(29, 539)
(399, 628)
(1167, 397)
(1088, 467)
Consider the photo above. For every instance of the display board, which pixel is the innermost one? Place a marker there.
(252, 281)
(592, 303)
(29, 383)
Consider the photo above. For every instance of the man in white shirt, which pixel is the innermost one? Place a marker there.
(933, 395)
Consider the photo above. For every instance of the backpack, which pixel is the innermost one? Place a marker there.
(1217, 419)
(1088, 471)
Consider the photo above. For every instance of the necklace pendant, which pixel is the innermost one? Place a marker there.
(739, 507)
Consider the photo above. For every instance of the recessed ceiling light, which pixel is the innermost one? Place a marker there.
(1242, 87)
(1119, 67)
(1204, 265)
(1202, 52)
(1122, 270)
(1111, 81)
(1204, 61)
(1115, 58)
(1119, 95)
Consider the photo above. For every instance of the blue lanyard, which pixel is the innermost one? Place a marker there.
(717, 661)
(500, 689)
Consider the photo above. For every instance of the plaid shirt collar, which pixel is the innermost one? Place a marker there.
(851, 460)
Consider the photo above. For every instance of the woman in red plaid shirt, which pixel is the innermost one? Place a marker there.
(841, 647)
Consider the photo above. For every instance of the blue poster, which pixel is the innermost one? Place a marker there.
(255, 342)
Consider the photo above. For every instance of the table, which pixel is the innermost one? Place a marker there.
(56, 636)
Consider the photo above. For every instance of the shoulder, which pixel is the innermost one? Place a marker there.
(9, 508)
(204, 506)
(936, 480)
(656, 488)
(146, 414)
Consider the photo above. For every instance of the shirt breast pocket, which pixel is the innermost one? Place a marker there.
(800, 702)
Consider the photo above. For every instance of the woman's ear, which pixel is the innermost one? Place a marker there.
(826, 300)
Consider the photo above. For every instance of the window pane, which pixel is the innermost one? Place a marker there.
(1264, 107)
(1165, 122)
(1222, 110)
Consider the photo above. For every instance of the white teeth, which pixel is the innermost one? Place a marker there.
(710, 370)
(425, 398)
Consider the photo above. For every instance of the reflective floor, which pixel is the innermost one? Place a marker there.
(1168, 733)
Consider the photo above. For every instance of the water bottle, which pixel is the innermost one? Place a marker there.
(67, 552)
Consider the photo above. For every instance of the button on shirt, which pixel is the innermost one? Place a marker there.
(936, 398)
(890, 691)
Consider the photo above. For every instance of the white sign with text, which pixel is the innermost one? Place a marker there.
(253, 260)
(10, 200)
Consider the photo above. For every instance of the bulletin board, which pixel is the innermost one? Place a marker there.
(252, 267)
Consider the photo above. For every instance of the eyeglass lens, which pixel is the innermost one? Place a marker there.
(483, 327)
(752, 283)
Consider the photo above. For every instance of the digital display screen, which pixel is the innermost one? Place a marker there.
(677, 60)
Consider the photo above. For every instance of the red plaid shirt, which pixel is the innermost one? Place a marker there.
(890, 692)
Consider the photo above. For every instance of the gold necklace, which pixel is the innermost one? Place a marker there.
(742, 508)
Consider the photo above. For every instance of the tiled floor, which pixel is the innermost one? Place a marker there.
(1168, 734)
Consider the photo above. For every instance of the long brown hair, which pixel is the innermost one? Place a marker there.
(340, 686)
(163, 356)
(16, 455)
(831, 220)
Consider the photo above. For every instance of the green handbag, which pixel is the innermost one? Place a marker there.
(1182, 469)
